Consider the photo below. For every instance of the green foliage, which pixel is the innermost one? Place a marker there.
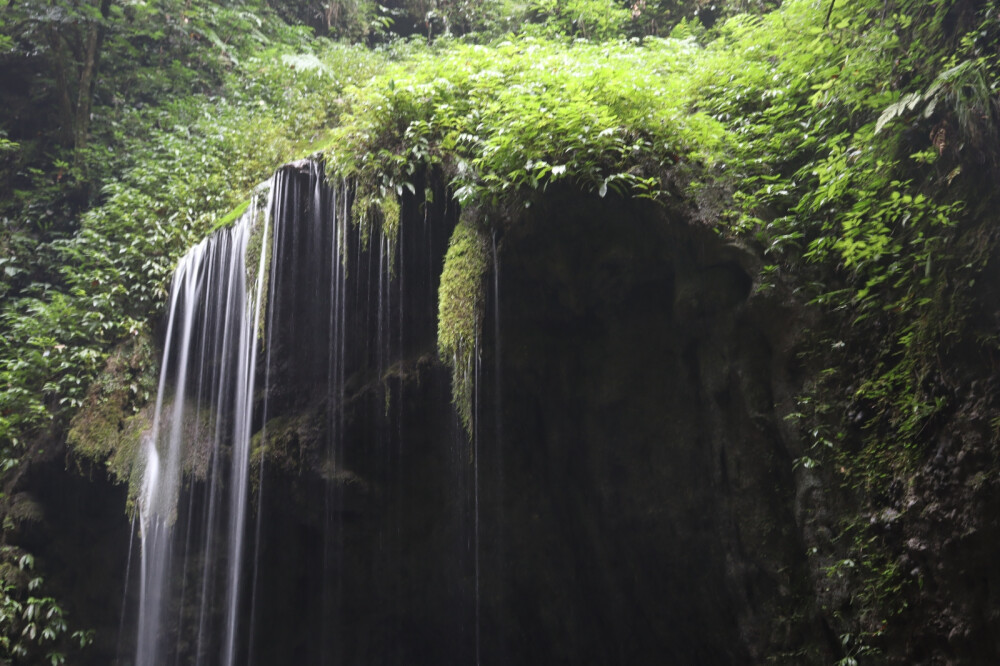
(476, 20)
(966, 93)
(596, 20)
(141, 53)
(505, 122)
(33, 629)
(863, 217)
(460, 311)
(113, 273)
(867, 231)
(782, 109)
(109, 426)
(838, 139)
(508, 120)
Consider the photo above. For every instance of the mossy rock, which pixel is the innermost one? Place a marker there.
(25, 508)
(117, 410)
(286, 440)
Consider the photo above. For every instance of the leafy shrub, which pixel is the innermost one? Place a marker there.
(506, 120)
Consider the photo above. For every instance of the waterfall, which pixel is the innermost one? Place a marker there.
(277, 476)
(202, 417)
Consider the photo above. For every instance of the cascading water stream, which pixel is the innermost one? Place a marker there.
(128, 574)
(311, 496)
(213, 314)
(475, 491)
(285, 371)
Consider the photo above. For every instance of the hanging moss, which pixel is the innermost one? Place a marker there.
(287, 441)
(460, 311)
(117, 415)
(376, 208)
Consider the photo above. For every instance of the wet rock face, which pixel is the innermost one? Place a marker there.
(647, 496)
(80, 537)
(939, 533)
(365, 521)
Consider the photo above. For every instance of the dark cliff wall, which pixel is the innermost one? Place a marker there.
(629, 491)
(649, 502)
(632, 500)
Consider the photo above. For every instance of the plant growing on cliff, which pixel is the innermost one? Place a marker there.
(863, 217)
(507, 120)
(32, 628)
(461, 299)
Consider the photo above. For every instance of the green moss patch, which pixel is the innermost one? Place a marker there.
(460, 310)
(117, 409)
(232, 216)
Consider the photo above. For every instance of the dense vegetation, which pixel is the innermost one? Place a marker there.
(844, 142)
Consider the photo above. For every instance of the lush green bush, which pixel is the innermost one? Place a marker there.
(517, 116)
(851, 131)
(856, 208)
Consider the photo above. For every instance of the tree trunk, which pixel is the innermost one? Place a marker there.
(88, 80)
(60, 60)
